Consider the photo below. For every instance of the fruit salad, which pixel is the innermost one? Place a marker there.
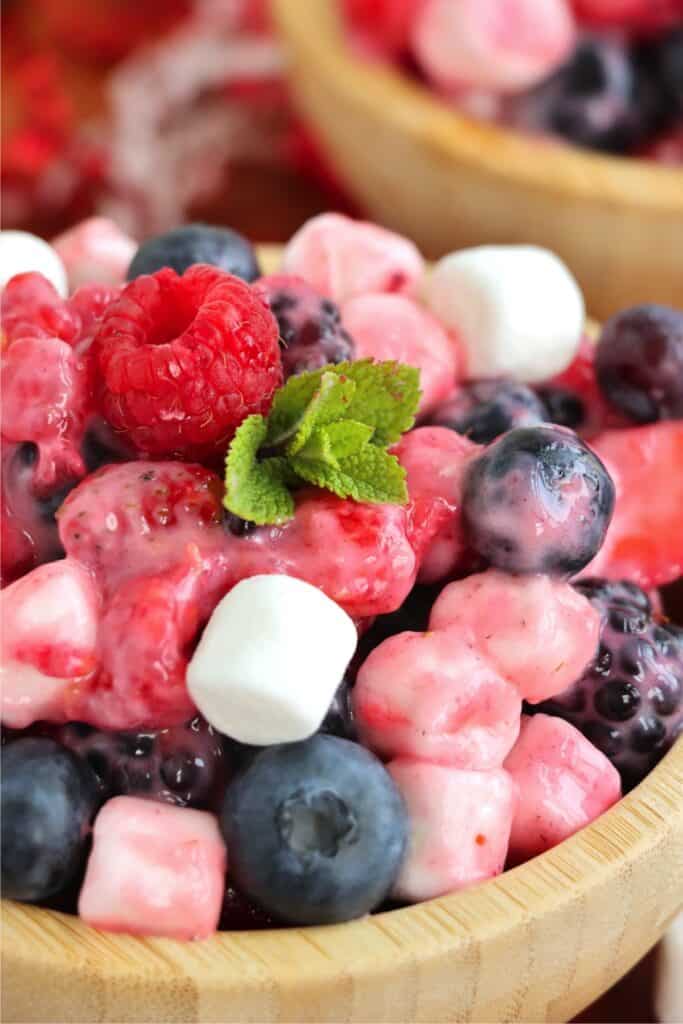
(602, 74)
(324, 590)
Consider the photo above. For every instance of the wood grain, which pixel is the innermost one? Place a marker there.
(539, 943)
(448, 181)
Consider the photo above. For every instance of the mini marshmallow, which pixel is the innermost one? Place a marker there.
(517, 310)
(459, 827)
(96, 251)
(22, 252)
(270, 659)
(154, 870)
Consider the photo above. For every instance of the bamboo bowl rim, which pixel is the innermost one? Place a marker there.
(631, 829)
(562, 170)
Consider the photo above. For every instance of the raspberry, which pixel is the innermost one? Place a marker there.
(629, 701)
(183, 360)
(644, 542)
(29, 532)
(32, 307)
(311, 332)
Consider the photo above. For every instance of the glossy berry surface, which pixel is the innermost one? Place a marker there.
(48, 800)
(639, 362)
(311, 331)
(484, 409)
(182, 247)
(599, 99)
(537, 500)
(316, 831)
(629, 702)
(340, 719)
(183, 765)
(183, 360)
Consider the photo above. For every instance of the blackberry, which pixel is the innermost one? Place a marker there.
(629, 701)
(311, 331)
(484, 409)
(183, 765)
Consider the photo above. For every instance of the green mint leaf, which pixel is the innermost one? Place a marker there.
(386, 397)
(347, 437)
(329, 404)
(370, 475)
(257, 491)
(289, 406)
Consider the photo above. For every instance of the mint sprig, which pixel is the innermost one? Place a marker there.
(331, 428)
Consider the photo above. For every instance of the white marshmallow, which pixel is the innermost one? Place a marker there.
(669, 984)
(516, 308)
(270, 660)
(21, 252)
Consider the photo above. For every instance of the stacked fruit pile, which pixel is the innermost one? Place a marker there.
(606, 74)
(272, 652)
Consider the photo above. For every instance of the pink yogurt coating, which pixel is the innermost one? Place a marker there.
(501, 45)
(95, 251)
(564, 783)
(538, 632)
(342, 258)
(432, 697)
(460, 825)
(154, 869)
(386, 327)
(48, 620)
(435, 460)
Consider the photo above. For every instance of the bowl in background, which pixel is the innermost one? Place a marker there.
(448, 181)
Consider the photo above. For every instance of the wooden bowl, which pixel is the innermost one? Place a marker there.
(538, 943)
(449, 181)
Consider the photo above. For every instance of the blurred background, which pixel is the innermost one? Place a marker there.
(154, 113)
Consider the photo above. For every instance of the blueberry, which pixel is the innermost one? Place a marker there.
(602, 98)
(237, 526)
(563, 407)
(339, 720)
(537, 500)
(639, 362)
(184, 246)
(316, 831)
(485, 409)
(629, 701)
(48, 800)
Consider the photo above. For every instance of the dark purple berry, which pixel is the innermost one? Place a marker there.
(602, 98)
(182, 765)
(629, 701)
(311, 331)
(49, 798)
(670, 68)
(484, 409)
(237, 526)
(184, 246)
(639, 362)
(340, 720)
(564, 408)
(537, 500)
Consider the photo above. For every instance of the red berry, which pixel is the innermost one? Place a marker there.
(184, 359)
(579, 379)
(644, 542)
(384, 24)
(633, 14)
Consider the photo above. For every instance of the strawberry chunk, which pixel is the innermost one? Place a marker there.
(644, 542)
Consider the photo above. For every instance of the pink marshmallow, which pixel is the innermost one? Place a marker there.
(430, 697)
(564, 783)
(154, 869)
(539, 633)
(341, 258)
(501, 45)
(460, 825)
(49, 641)
(388, 327)
(435, 460)
(95, 251)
